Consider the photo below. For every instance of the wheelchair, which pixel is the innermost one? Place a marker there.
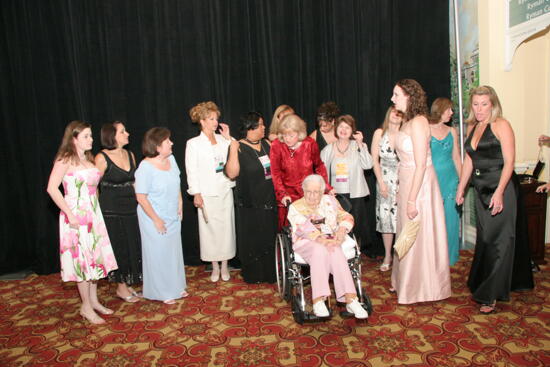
(292, 274)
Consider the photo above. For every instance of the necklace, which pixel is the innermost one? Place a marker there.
(342, 151)
(253, 142)
(437, 126)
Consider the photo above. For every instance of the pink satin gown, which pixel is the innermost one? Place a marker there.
(423, 273)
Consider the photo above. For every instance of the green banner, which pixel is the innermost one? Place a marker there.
(522, 11)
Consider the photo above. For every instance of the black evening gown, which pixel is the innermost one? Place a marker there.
(255, 216)
(117, 199)
(501, 261)
(320, 139)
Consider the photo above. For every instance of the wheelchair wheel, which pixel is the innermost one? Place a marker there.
(282, 257)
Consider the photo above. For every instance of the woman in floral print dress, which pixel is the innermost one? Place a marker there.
(385, 169)
(85, 249)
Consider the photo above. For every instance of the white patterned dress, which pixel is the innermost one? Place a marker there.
(386, 207)
(86, 252)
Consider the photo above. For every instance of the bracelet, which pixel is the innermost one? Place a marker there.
(411, 202)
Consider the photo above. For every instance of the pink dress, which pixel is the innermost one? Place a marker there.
(86, 252)
(423, 273)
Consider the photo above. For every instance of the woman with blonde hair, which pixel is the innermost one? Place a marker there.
(384, 165)
(86, 252)
(205, 159)
(501, 260)
(278, 115)
(293, 156)
(447, 164)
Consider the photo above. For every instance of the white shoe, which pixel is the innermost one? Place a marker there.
(215, 275)
(355, 308)
(320, 309)
(225, 275)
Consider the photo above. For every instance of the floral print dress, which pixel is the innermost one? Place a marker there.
(86, 252)
(386, 208)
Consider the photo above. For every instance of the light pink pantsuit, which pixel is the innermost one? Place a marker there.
(322, 260)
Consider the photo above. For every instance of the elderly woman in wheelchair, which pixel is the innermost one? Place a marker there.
(319, 232)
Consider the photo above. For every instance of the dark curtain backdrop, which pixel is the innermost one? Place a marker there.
(147, 62)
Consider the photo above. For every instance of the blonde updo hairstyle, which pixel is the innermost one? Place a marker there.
(295, 123)
(202, 110)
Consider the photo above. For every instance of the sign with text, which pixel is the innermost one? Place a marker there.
(523, 19)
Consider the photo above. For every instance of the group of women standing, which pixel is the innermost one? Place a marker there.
(110, 235)
(132, 232)
(428, 172)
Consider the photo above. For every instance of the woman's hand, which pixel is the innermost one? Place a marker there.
(224, 130)
(412, 212)
(332, 192)
(73, 221)
(497, 203)
(286, 200)
(341, 235)
(383, 190)
(459, 198)
(197, 201)
(543, 188)
(159, 225)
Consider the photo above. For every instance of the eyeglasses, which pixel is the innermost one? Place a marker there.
(313, 192)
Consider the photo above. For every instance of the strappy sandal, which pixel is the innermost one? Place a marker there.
(130, 299)
(487, 309)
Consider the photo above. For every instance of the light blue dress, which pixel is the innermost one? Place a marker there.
(163, 269)
(442, 158)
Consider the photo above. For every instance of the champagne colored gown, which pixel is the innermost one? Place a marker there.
(423, 273)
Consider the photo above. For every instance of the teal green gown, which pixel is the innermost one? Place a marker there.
(442, 157)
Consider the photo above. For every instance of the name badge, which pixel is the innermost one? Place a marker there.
(266, 163)
(341, 172)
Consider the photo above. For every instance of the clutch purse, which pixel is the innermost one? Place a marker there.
(406, 238)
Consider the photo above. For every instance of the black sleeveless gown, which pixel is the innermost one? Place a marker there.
(255, 217)
(321, 142)
(117, 199)
(501, 261)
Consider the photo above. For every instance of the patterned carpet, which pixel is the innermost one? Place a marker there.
(236, 324)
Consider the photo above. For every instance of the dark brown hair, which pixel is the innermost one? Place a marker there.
(345, 119)
(152, 139)
(328, 111)
(67, 150)
(108, 134)
(416, 105)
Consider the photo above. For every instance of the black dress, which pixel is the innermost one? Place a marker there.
(501, 261)
(117, 199)
(255, 216)
(320, 139)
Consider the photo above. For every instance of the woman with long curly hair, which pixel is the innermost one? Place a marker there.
(423, 273)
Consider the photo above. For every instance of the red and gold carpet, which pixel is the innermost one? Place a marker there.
(236, 324)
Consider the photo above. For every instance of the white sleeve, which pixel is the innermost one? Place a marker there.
(192, 168)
